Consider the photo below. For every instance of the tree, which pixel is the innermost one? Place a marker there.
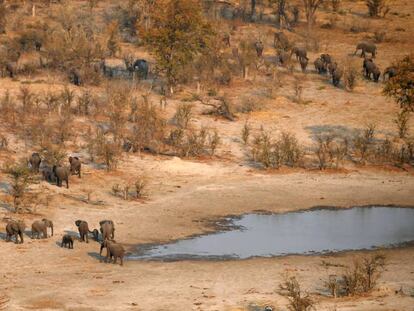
(401, 86)
(280, 11)
(178, 33)
(311, 6)
(21, 179)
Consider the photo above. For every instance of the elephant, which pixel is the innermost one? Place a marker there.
(15, 228)
(280, 41)
(336, 76)
(283, 58)
(83, 228)
(48, 175)
(67, 240)
(75, 77)
(320, 66)
(35, 161)
(371, 70)
(141, 68)
(62, 174)
(258, 45)
(332, 67)
(107, 228)
(75, 166)
(390, 71)
(299, 52)
(113, 249)
(366, 47)
(11, 69)
(326, 58)
(303, 64)
(40, 227)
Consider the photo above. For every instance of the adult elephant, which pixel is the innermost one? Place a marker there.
(47, 173)
(113, 249)
(11, 69)
(141, 68)
(83, 229)
(62, 174)
(299, 52)
(75, 77)
(107, 228)
(371, 70)
(39, 227)
(366, 47)
(75, 166)
(35, 161)
(16, 229)
(336, 76)
(390, 72)
(320, 66)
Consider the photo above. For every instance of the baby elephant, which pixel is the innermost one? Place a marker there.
(75, 166)
(113, 249)
(40, 227)
(15, 228)
(67, 241)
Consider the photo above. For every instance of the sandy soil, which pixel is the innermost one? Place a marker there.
(41, 275)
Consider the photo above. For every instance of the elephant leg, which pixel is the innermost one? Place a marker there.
(87, 238)
(67, 183)
(79, 174)
(122, 260)
(115, 259)
(16, 237)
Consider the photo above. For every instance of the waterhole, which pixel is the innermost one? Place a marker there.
(305, 232)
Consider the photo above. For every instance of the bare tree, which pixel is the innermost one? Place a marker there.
(311, 6)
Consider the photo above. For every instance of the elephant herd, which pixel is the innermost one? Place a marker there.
(56, 173)
(39, 230)
(114, 68)
(324, 64)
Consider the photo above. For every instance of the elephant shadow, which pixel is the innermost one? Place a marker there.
(96, 255)
(2, 236)
(337, 130)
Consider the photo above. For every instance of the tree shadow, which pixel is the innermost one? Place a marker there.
(336, 130)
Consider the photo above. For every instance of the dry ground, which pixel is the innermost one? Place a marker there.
(183, 194)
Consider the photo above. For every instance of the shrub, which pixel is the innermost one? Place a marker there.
(379, 36)
(272, 153)
(21, 179)
(52, 154)
(402, 123)
(400, 87)
(363, 275)
(297, 301)
(245, 134)
(363, 143)
(335, 4)
(377, 8)
(183, 115)
(330, 151)
(350, 77)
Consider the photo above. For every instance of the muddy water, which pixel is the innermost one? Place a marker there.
(306, 232)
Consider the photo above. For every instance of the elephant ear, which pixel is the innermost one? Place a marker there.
(78, 222)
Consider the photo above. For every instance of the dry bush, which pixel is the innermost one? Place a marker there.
(183, 115)
(335, 4)
(52, 154)
(249, 104)
(3, 142)
(85, 101)
(362, 277)
(194, 143)
(26, 98)
(148, 127)
(377, 8)
(359, 25)
(297, 300)
(245, 133)
(8, 109)
(333, 284)
(363, 143)
(273, 153)
(21, 180)
(350, 75)
(105, 149)
(224, 108)
(380, 36)
(401, 121)
(138, 185)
